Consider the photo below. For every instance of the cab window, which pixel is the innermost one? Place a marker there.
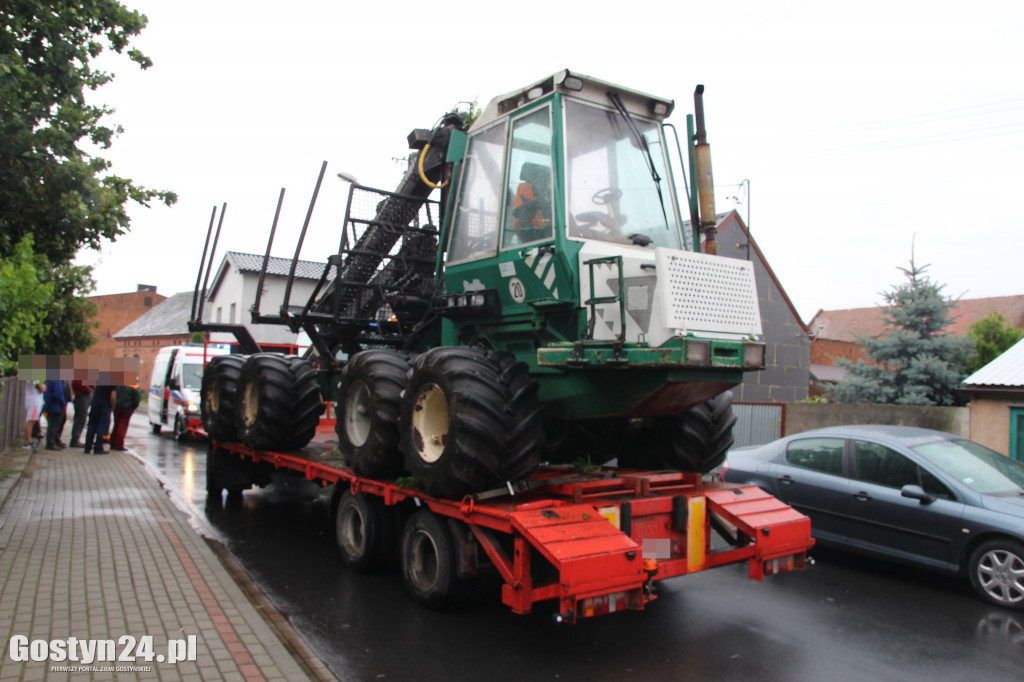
(475, 233)
(529, 200)
(818, 454)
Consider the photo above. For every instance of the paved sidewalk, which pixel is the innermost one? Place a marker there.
(92, 548)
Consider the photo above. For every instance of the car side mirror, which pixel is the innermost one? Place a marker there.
(916, 492)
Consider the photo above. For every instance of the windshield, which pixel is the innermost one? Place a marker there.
(611, 190)
(980, 469)
(192, 376)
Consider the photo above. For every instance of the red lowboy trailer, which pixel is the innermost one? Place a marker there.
(593, 542)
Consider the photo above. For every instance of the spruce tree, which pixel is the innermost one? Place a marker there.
(915, 362)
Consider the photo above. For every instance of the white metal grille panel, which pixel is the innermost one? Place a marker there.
(708, 294)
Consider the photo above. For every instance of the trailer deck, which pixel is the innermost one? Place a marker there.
(597, 541)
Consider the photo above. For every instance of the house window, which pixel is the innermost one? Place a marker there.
(218, 313)
(232, 313)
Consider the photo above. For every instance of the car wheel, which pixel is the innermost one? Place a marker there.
(997, 573)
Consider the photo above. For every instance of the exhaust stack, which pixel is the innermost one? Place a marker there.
(705, 181)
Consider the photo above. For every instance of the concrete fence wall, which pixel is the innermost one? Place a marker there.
(807, 416)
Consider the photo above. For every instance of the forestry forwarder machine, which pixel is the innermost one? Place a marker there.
(550, 306)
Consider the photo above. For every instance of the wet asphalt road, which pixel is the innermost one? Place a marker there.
(842, 619)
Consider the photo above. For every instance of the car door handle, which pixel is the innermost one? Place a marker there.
(786, 480)
(862, 496)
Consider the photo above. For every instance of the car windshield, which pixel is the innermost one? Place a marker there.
(980, 469)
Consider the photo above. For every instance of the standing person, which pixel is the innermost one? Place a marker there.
(33, 410)
(128, 398)
(55, 405)
(103, 399)
(82, 397)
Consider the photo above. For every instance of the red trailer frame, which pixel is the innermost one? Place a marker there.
(608, 535)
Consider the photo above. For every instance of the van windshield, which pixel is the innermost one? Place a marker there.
(192, 376)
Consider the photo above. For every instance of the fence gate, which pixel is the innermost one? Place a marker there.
(758, 423)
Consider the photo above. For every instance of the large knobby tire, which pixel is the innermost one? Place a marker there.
(470, 421)
(369, 402)
(996, 571)
(429, 565)
(217, 397)
(366, 531)
(279, 404)
(698, 440)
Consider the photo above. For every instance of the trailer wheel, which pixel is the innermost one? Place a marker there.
(369, 402)
(279, 403)
(217, 397)
(469, 421)
(429, 564)
(366, 532)
(996, 571)
(698, 440)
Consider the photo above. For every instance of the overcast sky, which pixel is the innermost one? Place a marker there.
(858, 124)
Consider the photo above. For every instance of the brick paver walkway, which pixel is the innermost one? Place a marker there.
(92, 548)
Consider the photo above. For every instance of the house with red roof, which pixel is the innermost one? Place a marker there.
(837, 332)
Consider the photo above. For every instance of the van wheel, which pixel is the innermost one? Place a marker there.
(217, 396)
(155, 428)
(180, 434)
(279, 404)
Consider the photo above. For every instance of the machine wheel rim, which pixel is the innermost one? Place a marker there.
(250, 403)
(1000, 573)
(430, 422)
(358, 413)
(423, 561)
(351, 531)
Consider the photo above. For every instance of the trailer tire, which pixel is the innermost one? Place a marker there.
(369, 403)
(217, 397)
(366, 531)
(469, 421)
(429, 566)
(698, 440)
(278, 402)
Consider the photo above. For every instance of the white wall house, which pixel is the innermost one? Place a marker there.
(233, 292)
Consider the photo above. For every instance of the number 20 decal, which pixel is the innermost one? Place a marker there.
(517, 290)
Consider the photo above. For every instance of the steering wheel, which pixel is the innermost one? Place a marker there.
(607, 195)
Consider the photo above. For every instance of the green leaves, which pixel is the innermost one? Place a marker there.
(24, 299)
(54, 195)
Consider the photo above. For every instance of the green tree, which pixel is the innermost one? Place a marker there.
(51, 186)
(23, 293)
(992, 335)
(915, 362)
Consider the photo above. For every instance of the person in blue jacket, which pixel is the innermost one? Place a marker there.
(103, 398)
(55, 404)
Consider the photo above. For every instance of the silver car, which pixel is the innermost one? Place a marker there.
(914, 495)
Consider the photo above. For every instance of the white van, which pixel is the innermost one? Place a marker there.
(175, 387)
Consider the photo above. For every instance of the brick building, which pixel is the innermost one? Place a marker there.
(113, 313)
(164, 325)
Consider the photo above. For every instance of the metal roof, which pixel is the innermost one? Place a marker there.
(169, 318)
(1005, 371)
